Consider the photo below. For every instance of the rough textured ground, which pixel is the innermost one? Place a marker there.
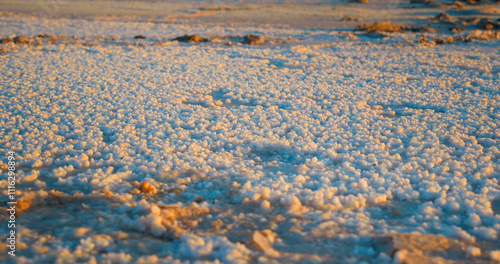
(291, 144)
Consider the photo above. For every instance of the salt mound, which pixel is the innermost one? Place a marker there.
(254, 39)
(381, 27)
(190, 38)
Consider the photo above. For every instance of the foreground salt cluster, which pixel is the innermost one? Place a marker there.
(337, 151)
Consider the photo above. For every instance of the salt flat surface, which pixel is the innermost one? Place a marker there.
(315, 147)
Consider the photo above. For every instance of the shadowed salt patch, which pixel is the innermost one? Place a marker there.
(220, 98)
(404, 247)
(495, 206)
(407, 109)
(70, 211)
(89, 228)
(395, 214)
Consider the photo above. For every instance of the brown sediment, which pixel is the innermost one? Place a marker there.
(351, 19)
(254, 39)
(218, 8)
(202, 14)
(475, 35)
(456, 29)
(190, 38)
(443, 17)
(426, 2)
(383, 27)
